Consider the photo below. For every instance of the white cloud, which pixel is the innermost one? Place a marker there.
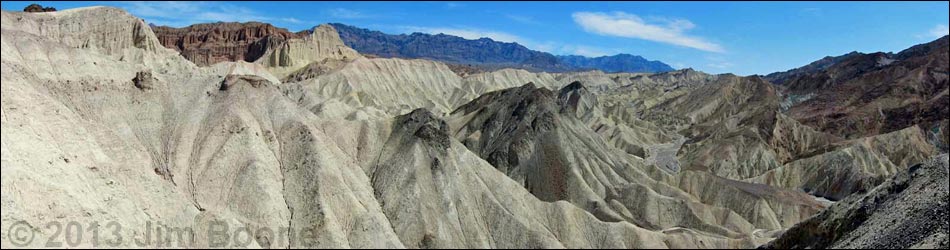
(621, 24)
(344, 13)
(179, 14)
(939, 31)
(936, 32)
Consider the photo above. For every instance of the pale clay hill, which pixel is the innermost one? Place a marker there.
(100, 122)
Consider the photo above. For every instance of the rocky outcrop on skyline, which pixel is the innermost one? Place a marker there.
(318, 46)
(210, 43)
(38, 8)
(858, 95)
(781, 78)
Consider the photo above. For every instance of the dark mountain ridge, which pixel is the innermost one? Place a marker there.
(860, 94)
(616, 63)
(484, 53)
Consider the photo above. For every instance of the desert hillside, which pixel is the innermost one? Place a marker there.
(254, 126)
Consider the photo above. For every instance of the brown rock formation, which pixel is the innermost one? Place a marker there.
(869, 94)
(38, 8)
(206, 44)
(143, 80)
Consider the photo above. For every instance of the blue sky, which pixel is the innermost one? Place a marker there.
(716, 37)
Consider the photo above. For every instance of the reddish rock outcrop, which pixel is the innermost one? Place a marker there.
(210, 43)
(38, 8)
(869, 94)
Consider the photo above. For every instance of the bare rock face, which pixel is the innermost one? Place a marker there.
(251, 80)
(38, 8)
(444, 196)
(781, 78)
(423, 124)
(645, 91)
(733, 127)
(314, 70)
(852, 167)
(187, 154)
(397, 86)
(910, 210)
(868, 94)
(323, 42)
(576, 99)
(509, 125)
(210, 43)
(943, 136)
(76, 28)
(464, 70)
(100, 122)
(143, 80)
(547, 142)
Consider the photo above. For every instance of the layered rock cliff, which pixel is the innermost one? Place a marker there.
(323, 43)
(210, 43)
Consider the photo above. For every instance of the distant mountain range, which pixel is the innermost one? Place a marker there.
(616, 63)
(484, 53)
(210, 43)
(816, 66)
